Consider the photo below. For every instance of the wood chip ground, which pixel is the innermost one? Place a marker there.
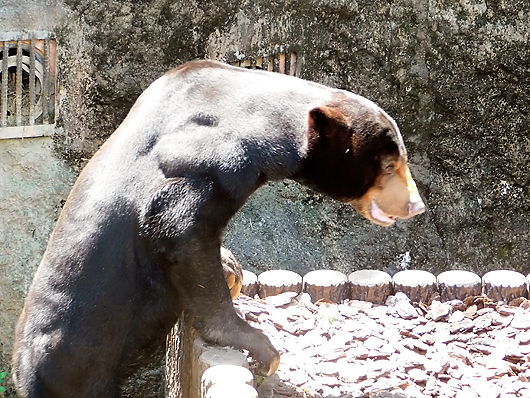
(470, 349)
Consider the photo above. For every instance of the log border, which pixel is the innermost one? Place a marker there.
(185, 348)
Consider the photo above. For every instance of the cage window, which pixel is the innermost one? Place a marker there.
(287, 63)
(27, 87)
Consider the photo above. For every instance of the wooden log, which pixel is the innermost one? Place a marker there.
(504, 285)
(458, 284)
(180, 354)
(274, 282)
(327, 285)
(250, 284)
(225, 390)
(217, 356)
(232, 378)
(175, 356)
(370, 285)
(188, 357)
(418, 285)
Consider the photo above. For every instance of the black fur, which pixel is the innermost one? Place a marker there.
(139, 238)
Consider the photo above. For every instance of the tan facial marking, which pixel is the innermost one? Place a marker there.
(394, 195)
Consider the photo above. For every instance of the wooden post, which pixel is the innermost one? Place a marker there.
(457, 285)
(370, 285)
(250, 284)
(228, 381)
(272, 283)
(418, 285)
(188, 357)
(326, 284)
(504, 285)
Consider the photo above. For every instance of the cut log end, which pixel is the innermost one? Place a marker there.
(226, 373)
(327, 285)
(418, 285)
(370, 285)
(275, 282)
(250, 284)
(458, 284)
(504, 285)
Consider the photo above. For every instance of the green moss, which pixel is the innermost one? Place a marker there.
(485, 232)
(505, 251)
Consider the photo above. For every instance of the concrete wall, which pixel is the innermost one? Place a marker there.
(454, 74)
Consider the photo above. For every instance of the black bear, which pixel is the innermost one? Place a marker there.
(139, 239)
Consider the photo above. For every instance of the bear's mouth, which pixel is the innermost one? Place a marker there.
(380, 216)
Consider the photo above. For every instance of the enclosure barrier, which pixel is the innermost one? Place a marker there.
(197, 370)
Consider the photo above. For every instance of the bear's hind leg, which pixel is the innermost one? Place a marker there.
(36, 386)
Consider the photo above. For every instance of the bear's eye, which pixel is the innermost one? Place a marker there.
(389, 169)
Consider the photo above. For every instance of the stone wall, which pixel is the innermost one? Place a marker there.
(454, 75)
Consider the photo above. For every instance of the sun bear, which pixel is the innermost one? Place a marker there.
(138, 241)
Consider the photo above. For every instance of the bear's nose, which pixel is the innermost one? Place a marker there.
(415, 207)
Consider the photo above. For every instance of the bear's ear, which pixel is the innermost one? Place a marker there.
(322, 117)
(325, 123)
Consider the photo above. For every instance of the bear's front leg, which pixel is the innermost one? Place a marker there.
(184, 220)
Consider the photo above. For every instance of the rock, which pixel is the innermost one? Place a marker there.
(457, 316)
(482, 323)
(418, 375)
(467, 392)
(523, 338)
(521, 322)
(400, 306)
(438, 311)
(463, 326)
(399, 296)
(281, 299)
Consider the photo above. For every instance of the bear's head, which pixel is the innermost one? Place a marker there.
(356, 155)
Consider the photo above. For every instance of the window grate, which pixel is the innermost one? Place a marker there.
(284, 63)
(27, 87)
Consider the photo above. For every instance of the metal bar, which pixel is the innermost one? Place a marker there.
(287, 67)
(3, 86)
(19, 85)
(52, 49)
(32, 51)
(294, 64)
(46, 83)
